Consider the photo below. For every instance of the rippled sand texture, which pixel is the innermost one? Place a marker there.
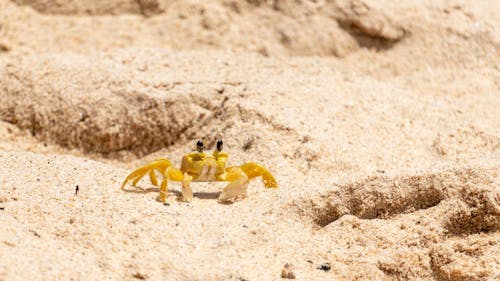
(379, 119)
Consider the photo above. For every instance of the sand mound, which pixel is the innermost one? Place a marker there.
(140, 100)
(136, 100)
(384, 198)
(272, 29)
(115, 7)
(97, 102)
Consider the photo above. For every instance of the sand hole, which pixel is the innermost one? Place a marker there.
(384, 198)
(378, 198)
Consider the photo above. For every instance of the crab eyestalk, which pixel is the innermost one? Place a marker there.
(218, 148)
(199, 146)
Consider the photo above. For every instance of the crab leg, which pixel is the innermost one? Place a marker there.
(152, 177)
(135, 176)
(159, 164)
(172, 174)
(187, 193)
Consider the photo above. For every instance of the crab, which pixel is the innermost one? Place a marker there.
(201, 166)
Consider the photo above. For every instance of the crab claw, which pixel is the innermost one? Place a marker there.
(253, 170)
(237, 188)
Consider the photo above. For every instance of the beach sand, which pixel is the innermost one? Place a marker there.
(379, 120)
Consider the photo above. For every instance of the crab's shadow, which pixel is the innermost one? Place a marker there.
(178, 194)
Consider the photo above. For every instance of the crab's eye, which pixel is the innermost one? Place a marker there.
(199, 146)
(219, 145)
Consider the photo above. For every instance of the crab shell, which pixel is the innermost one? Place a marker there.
(202, 166)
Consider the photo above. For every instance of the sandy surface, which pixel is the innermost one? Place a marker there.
(379, 119)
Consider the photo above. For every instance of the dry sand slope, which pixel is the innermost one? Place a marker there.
(379, 119)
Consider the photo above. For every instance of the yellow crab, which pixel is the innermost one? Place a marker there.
(203, 167)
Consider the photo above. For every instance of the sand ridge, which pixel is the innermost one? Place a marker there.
(379, 120)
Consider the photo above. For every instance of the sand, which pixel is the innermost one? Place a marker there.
(379, 119)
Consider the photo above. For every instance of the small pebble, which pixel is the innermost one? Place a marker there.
(324, 267)
(139, 276)
(220, 89)
(287, 271)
